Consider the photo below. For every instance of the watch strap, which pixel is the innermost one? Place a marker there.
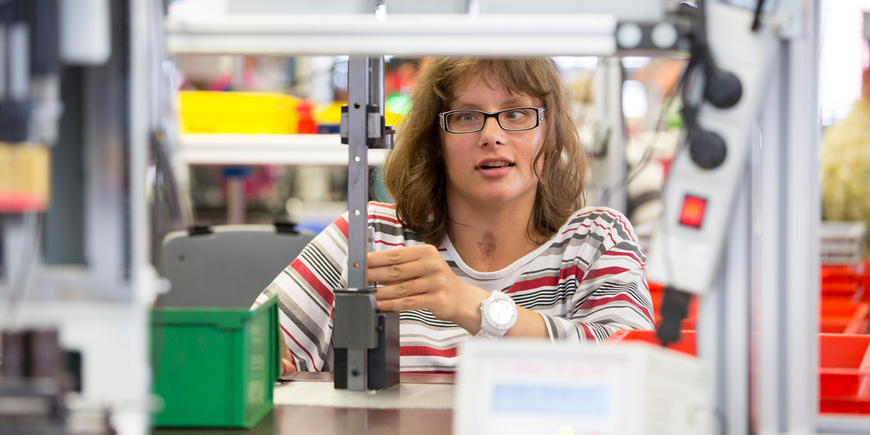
(488, 329)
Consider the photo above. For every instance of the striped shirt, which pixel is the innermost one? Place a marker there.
(587, 281)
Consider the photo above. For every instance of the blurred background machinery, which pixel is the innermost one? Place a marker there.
(80, 120)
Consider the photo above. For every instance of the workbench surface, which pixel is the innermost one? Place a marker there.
(421, 405)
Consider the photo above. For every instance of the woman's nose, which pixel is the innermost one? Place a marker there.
(492, 133)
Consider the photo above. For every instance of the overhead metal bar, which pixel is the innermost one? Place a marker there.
(409, 35)
(268, 149)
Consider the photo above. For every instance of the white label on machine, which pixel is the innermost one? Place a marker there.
(529, 394)
(523, 386)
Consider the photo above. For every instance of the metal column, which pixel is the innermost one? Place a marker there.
(723, 323)
(361, 334)
(786, 218)
(614, 158)
(359, 99)
(800, 297)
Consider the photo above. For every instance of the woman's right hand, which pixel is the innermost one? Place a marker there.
(287, 360)
(289, 367)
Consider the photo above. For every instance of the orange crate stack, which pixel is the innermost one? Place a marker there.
(842, 281)
(844, 373)
(844, 316)
(844, 345)
(866, 281)
(686, 343)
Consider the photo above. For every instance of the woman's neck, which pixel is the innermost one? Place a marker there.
(491, 238)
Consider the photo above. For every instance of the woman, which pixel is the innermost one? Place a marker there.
(486, 237)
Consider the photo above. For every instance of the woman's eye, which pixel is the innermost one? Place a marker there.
(516, 114)
(466, 117)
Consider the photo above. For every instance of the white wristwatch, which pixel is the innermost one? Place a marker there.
(498, 313)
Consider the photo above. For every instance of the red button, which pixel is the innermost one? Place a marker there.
(692, 212)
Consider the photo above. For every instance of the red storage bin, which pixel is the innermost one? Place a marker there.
(839, 316)
(865, 281)
(842, 281)
(686, 343)
(844, 373)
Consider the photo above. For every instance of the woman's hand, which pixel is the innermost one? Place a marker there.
(417, 278)
(286, 360)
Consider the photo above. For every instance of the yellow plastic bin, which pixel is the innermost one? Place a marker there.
(237, 112)
(214, 367)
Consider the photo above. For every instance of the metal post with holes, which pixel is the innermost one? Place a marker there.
(365, 340)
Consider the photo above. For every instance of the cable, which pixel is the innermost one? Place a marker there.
(31, 225)
(698, 55)
(692, 83)
(618, 186)
(756, 21)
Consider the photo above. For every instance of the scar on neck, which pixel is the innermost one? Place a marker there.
(486, 245)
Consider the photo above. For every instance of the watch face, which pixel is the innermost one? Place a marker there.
(500, 312)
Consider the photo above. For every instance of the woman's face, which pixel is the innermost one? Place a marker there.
(491, 167)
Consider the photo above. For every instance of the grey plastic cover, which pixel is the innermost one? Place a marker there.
(226, 268)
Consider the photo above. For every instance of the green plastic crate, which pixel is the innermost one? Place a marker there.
(215, 367)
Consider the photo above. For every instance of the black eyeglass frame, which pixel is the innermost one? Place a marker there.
(442, 119)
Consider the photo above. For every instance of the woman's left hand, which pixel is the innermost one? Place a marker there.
(417, 278)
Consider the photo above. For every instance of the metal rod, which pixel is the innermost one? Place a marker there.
(357, 170)
(376, 84)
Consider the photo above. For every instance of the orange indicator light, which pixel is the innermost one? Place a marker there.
(692, 212)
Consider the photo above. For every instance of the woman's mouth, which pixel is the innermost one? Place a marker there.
(495, 165)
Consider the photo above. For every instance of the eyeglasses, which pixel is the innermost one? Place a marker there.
(470, 121)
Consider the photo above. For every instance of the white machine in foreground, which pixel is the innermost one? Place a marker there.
(523, 386)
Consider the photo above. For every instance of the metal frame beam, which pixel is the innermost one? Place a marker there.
(404, 35)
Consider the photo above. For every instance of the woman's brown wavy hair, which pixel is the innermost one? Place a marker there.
(414, 170)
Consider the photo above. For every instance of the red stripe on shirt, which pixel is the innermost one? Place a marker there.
(592, 303)
(587, 331)
(547, 281)
(313, 281)
(301, 347)
(537, 283)
(427, 351)
(621, 222)
(568, 272)
(624, 254)
(381, 242)
(341, 223)
(587, 226)
(618, 218)
(585, 214)
(595, 273)
(431, 372)
(375, 217)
